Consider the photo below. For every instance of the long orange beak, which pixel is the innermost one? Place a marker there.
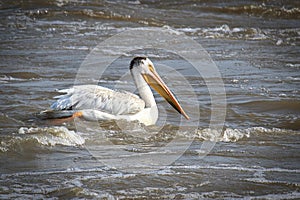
(159, 86)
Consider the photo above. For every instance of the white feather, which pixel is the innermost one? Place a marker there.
(98, 98)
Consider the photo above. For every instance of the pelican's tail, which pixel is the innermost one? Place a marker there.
(55, 114)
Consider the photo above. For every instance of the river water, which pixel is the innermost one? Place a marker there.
(255, 46)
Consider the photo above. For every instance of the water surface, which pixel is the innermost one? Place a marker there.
(255, 45)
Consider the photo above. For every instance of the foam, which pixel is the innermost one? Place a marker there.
(51, 136)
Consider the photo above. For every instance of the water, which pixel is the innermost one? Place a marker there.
(255, 45)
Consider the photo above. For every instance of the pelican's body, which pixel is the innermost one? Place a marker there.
(94, 102)
(100, 103)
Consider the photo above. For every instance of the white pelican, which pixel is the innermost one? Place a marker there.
(93, 102)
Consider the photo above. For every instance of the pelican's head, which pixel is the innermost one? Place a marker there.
(144, 66)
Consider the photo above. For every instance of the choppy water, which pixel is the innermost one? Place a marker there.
(255, 45)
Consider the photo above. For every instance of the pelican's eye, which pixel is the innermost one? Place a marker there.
(151, 68)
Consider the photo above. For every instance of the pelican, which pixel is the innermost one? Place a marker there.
(93, 102)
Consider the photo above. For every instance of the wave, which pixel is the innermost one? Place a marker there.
(132, 133)
(278, 37)
(281, 106)
(53, 135)
(234, 135)
(260, 10)
(46, 136)
(78, 176)
(106, 13)
(224, 31)
(288, 10)
(19, 76)
(291, 65)
(121, 11)
(280, 113)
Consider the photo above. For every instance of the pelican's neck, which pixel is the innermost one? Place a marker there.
(143, 89)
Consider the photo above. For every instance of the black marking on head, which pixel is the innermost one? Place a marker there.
(136, 61)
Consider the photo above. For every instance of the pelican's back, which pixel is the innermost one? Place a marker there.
(98, 98)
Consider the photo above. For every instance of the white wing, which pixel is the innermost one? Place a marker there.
(98, 98)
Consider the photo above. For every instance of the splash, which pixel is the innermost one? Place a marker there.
(52, 136)
(45, 136)
(235, 135)
(227, 135)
